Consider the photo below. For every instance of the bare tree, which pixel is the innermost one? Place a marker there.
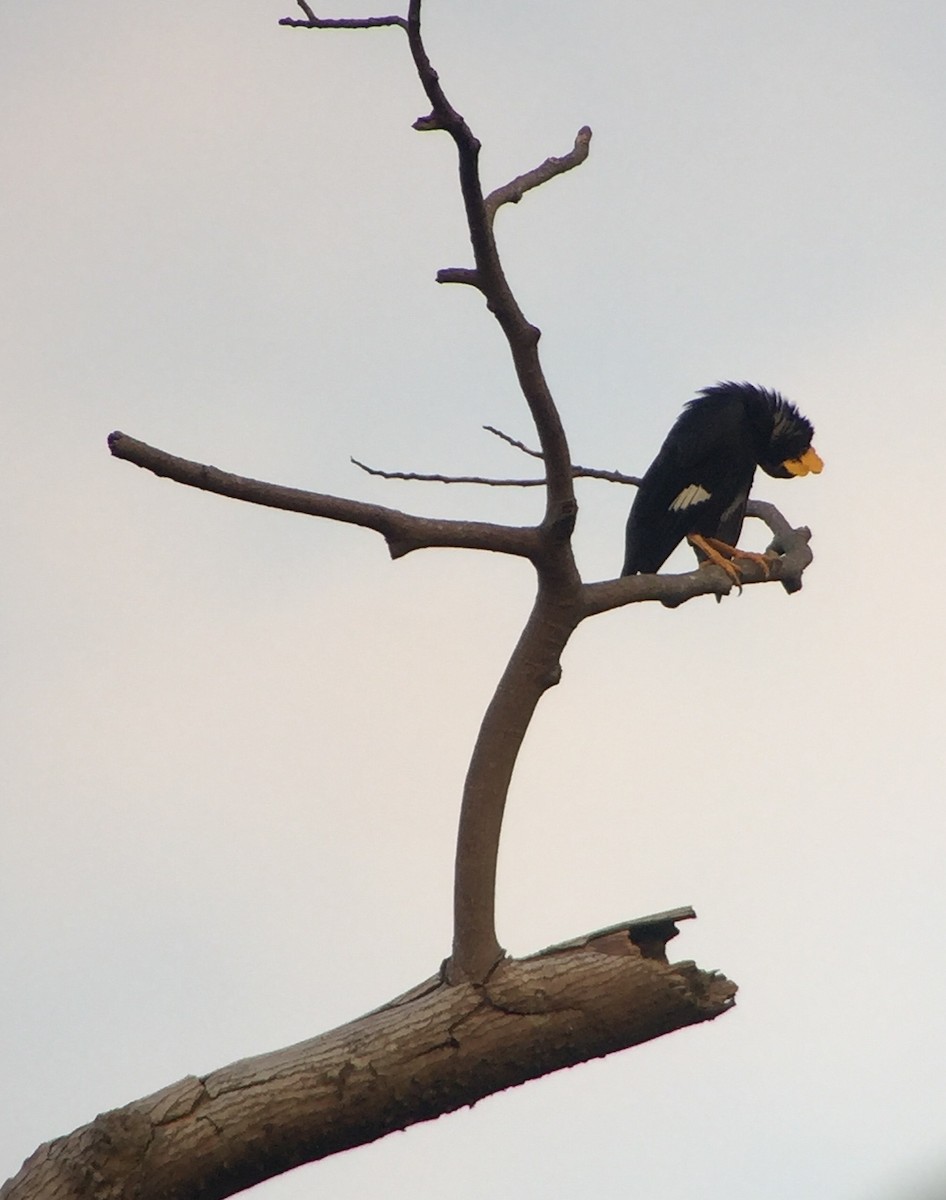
(483, 1021)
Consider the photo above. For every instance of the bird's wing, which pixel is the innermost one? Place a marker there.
(686, 489)
(670, 498)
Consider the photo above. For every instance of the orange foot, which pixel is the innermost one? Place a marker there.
(764, 560)
(721, 554)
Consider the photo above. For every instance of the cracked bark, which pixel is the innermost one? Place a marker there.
(434, 1050)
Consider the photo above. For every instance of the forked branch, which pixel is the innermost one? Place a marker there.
(487, 1021)
(578, 472)
(311, 21)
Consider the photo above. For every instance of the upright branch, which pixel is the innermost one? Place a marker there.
(490, 278)
(534, 666)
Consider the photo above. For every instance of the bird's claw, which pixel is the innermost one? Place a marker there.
(728, 552)
(729, 567)
(720, 554)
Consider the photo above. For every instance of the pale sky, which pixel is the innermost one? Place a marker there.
(233, 739)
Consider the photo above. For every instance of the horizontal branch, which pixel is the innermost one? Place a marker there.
(313, 22)
(512, 192)
(431, 1051)
(791, 545)
(465, 275)
(403, 532)
(578, 472)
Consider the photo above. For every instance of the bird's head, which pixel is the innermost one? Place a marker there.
(788, 450)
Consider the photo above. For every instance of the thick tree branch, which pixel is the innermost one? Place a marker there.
(673, 590)
(402, 531)
(532, 669)
(429, 1052)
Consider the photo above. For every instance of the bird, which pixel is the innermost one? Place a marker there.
(698, 485)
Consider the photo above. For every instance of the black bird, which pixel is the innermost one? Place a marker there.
(698, 485)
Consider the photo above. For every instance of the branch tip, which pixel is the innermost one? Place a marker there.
(465, 275)
(428, 123)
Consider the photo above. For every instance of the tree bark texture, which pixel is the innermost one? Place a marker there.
(434, 1050)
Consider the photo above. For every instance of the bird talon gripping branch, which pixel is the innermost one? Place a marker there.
(764, 560)
(729, 568)
(698, 485)
(716, 554)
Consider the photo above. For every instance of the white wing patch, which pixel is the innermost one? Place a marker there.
(692, 494)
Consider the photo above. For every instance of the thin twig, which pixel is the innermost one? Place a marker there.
(578, 472)
(418, 477)
(513, 191)
(513, 441)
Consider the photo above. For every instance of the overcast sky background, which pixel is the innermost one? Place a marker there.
(233, 739)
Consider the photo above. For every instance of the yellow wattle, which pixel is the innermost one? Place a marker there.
(809, 463)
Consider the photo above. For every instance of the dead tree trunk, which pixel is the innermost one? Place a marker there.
(429, 1052)
(484, 1022)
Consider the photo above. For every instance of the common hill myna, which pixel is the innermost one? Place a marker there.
(698, 485)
